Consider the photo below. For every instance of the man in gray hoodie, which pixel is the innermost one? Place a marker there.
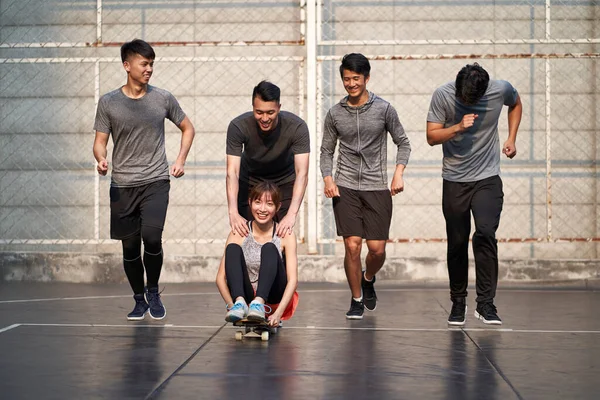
(362, 202)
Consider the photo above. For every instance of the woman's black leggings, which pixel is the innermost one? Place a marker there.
(272, 277)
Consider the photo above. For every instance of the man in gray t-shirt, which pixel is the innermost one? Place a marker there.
(463, 117)
(134, 115)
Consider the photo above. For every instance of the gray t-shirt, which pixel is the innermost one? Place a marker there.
(137, 127)
(474, 154)
(267, 156)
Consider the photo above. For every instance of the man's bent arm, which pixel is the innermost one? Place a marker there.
(514, 119)
(100, 143)
(301, 166)
(437, 134)
(187, 137)
(232, 183)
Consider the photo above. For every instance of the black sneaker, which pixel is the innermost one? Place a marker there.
(157, 309)
(488, 314)
(356, 310)
(458, 313)
(140, 309)
(369, 295)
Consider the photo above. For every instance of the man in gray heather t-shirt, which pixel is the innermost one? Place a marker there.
(134, 115)
(463, 117)
(361, 198)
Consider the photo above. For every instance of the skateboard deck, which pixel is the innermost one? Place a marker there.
(254, 329)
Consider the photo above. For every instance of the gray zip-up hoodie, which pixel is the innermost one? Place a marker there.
(361, 132)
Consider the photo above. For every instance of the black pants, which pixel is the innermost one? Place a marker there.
(272, 277)
(484, 199)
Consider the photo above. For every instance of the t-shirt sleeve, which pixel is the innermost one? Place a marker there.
(174, 112)
(235, 140)
(509, 93)
(437, 112)
(102, 123)
(301, 144)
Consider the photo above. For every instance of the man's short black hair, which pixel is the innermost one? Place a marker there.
(355, 62)
(266, 91)
(137, 46)
(471, 83)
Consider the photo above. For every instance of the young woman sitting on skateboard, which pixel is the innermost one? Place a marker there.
(252, 269)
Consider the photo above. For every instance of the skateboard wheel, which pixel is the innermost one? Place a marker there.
(239, 335)
(274, 330)
(264, 336)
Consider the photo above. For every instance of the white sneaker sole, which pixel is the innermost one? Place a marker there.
(137, 318)
(485, 321)
(158, 318)
(354, 317)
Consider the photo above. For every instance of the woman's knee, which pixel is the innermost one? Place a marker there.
(269, 249)
(233, 249)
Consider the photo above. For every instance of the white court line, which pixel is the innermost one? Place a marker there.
(311, 327)
(299, 291)
(121, 296)
(132, 325)
(8, 328)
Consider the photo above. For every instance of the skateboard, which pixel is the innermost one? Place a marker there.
(254, 329)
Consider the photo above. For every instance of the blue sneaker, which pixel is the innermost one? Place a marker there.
(257, 312)
(237, 312)
(140, 309)
(157, 309)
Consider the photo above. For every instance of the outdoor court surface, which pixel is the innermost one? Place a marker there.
(72, 341)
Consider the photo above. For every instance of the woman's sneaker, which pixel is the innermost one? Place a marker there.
(357, 308)
(157, 309)
(237, 312)
(140, 308)
(256, 312)
(369, 295)
(488, 314)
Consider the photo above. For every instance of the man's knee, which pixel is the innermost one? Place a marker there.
(152, 238)
(484, 234)
(353, 247)
(377, 252)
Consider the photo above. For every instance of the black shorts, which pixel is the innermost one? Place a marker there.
(132, 207)
(287, 189)
(367, 214)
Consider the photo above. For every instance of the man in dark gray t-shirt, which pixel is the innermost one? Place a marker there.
(463, 117)
(266, 144)
(134, 115)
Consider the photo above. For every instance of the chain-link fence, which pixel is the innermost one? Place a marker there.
(57, 57)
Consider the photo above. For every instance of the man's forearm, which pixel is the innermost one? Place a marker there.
(514, 120)
(298, 193)
(187, 137)
(233, 187)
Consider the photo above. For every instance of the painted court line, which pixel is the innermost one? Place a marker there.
(383, 289)
(121, 296)
(8, 328)
(313, 327)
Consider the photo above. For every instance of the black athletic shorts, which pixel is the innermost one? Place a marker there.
(287, 189)
(367, 214)
(132, 207)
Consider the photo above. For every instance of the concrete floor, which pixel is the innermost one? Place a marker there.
(71, 341)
